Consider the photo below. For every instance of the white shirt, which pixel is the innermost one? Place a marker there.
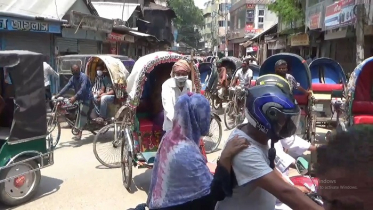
(244, 78)
(170, 94)
(48, 71)
(249, 165)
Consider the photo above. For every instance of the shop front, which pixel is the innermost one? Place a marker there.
(276, 46)
(118, 44)
(300, 44)
(32, 35)
(84, 35)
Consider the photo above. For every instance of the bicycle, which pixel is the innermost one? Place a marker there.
(234, 108)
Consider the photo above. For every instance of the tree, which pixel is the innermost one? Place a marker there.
(288, 10)
(188, 18)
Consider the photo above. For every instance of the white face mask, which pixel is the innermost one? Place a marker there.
(99, 72)
(180, 80)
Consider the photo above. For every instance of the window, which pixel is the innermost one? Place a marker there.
(224, 7)
(260, 19)
(221, 23)
(261, 12)
(260, 25)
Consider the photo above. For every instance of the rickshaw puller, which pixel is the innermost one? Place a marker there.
(82, 86)
(223, 80)
(172, 88)
(243, 75)
(281, 69)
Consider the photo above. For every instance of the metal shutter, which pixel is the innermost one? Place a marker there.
(32, 41)
(66, 44)
(88, 47)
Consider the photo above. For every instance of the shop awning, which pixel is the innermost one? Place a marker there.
(37, 8)
(264, 32)
(246, 44)
(115, 10)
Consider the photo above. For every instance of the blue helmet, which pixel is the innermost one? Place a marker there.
(271, 107)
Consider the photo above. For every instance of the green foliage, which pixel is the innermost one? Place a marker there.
(188, 18)
(288, 10)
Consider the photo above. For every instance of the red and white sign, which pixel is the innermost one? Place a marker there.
(340, 13)
(114, 37)
(314, 22)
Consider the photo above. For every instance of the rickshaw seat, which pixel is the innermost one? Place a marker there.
(319, 87)
(301, 99)
(363, 112)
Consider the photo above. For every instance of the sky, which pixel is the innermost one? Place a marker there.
(200, 3)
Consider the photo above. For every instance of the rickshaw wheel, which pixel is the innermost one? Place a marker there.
(21, 189)
(126, 164)
(213, 148)
(112, 148)
(51, 126)
(227, 112)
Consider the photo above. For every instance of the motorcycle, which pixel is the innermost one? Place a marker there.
(304, 180)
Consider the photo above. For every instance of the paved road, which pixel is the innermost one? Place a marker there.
(78, 181)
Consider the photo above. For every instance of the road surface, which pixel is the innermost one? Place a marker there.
(78, 181)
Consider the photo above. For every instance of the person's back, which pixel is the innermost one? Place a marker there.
(247, 195)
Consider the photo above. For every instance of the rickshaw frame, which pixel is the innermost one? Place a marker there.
(33, 116)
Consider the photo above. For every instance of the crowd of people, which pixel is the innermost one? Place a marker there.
(252, 171)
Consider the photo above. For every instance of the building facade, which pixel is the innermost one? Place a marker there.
(248, 18)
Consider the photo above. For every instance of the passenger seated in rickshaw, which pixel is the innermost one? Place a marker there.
(182, 181)
(103, 92)
(281, 69)
(172, 88)
(82, 86)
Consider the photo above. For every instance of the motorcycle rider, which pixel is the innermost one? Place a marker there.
(272, 113)
(174, 87)
(82, 86)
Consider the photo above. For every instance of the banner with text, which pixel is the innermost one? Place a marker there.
(340, 14)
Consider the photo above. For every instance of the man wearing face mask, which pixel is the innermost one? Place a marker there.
(103, 92)
(172, 88)
(82, 86)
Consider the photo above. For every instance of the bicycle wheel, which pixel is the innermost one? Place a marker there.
(228, 114)
(52, 124)
(211, 140)
(107, 146)
(126, 164)
(216, 102)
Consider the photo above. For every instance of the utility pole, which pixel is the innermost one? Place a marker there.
(360, 15)
(226, 27)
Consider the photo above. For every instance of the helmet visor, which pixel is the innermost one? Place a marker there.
(284, 122)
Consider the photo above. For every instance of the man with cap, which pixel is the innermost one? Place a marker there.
(174, 87)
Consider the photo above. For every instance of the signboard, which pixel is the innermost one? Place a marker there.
(314, 21)
(277, 45)
(250, 6)
(14, 24)
(340, 14)
(300, 40)
(90, 22)
(114, 37)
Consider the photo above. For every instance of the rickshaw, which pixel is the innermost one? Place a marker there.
(297, 67)
(63, 109)
(206, 70)
(231, 64)
(64, 64)
(358, 95)
(326, 75)
(24, 141)
(143, 112)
